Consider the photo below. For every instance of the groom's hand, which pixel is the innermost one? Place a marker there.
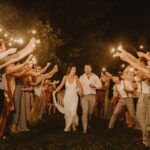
(92, 86)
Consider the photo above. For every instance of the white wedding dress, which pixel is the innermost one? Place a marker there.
(70, 105)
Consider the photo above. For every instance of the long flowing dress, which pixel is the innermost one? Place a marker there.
(35, 111)
(70, 105)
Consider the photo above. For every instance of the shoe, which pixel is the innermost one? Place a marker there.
(3, 137)
(74, 129)
(66, 130)
(27, 130)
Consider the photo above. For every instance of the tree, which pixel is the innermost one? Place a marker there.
(18, 23)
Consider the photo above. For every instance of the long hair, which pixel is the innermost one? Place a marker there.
(69, 69)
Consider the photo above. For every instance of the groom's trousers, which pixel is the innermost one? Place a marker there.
(87, 104)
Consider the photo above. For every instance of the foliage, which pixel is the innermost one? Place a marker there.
(18, 23)
(83, 26)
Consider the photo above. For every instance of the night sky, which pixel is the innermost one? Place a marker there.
(132, 19)
(94, 26)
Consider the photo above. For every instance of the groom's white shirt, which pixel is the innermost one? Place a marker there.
(94, 79)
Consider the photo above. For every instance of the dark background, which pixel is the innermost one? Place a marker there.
(89, 28)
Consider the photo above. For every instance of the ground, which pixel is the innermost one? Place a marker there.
(49, 135)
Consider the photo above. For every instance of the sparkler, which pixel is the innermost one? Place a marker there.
(34, 60)
(141, 46)
(119, 48)
(5, 35)
(11, 39)
(123, 66)
(33, 31)
(103, 69)
(130, 68)
(38, 41)
(20, 41)
(10, 44)
(113, 50)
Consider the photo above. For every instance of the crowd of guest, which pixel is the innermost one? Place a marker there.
(25, 89)
(27, 93)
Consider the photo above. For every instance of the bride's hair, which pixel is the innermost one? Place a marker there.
(69, 69)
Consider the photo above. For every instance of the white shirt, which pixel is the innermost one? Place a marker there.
(124, 85)
(38, 90)
(94, 79)
(143, 87)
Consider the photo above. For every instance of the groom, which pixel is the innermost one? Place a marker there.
(90, 82)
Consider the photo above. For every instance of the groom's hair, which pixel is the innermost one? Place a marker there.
(88, 65)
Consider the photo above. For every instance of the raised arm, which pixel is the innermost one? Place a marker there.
(45, 68)
(14, 69)
(51, 73)
(131, 57)
(33, 73)
(124, 56)
(108, 75)
(106, 85)
(38, 81)
(7, 52)
(21, 73)
(21, 54)
(61, 85)
(104, 75)
(145, 55)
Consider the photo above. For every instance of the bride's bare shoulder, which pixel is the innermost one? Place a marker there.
(65, 77)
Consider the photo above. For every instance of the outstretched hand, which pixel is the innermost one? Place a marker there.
(141, 54)
(12, 50)
(123, 55)
(48, 64)
(108, 74)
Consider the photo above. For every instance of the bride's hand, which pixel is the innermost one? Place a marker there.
(54, 92)
(80, 93)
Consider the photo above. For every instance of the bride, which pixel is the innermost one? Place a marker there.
(73, 88)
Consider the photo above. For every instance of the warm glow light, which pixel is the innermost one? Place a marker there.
(11, 39)
(120, 48)
(131, 69)
(114, 55)
(123, 65)
(103, 69)
(20, 41)
(38, 41)
(5, 35)
(10, 44)
(141, 46)
(113, 50)
(33, 31)
(34, 60)
(1, 30)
